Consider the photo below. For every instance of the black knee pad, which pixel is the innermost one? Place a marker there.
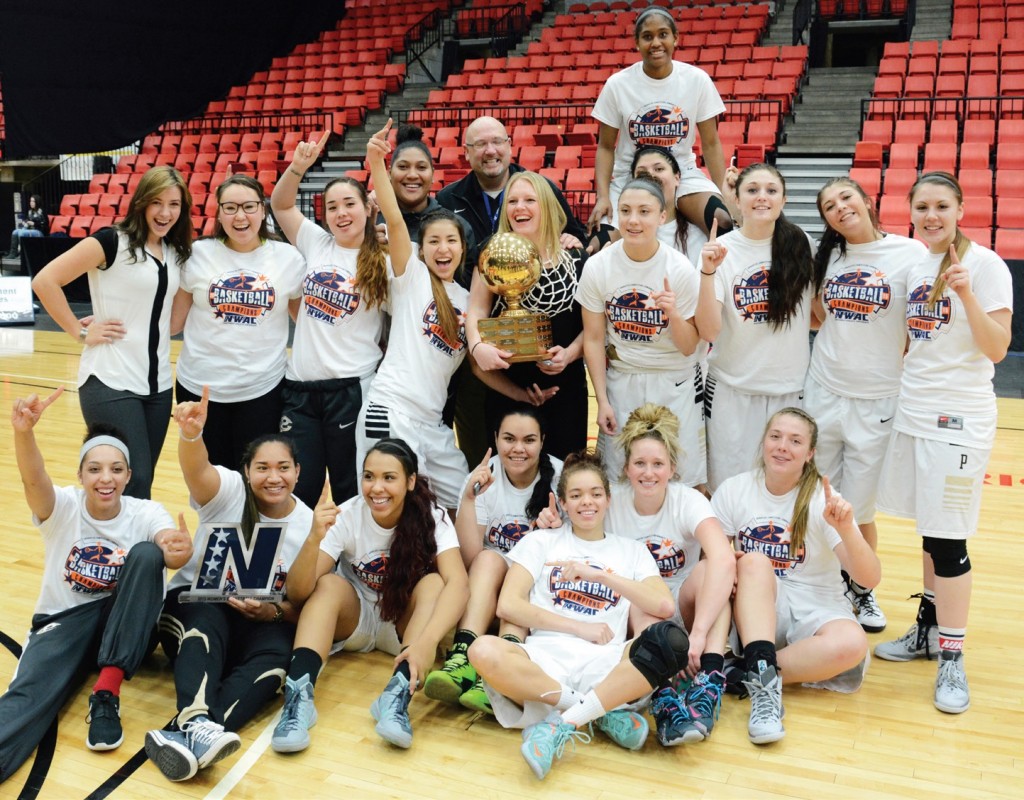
(660, 652)
(713, 205)
(949, 556)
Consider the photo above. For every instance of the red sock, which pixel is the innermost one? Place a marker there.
(110, 679)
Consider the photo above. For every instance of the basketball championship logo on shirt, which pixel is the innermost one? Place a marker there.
(93, 565)
(581, 597)
(241, 298)
(634, 316)
(924, 322)
(750, 293)
(659, 124)
(772, 540)
(505, 533)
(227, 566)
(669, 556)
(330, 295)
(435, 333)
(372, 569)
(857, 294)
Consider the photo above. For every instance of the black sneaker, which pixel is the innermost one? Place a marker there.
(104, 721)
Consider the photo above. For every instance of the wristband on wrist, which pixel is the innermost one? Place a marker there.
(709, 274)
(278, 613)
(294, 171)
(474, 347)
(83, 333)
(195, 438)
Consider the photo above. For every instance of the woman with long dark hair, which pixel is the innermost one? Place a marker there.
(234, 297)
(338, 324)
(228, 657)
(756, 288)
(382, 572)
(124, 374)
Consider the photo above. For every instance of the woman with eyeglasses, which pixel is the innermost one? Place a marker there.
(233, 304)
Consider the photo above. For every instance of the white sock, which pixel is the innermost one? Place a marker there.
(567, 697)
(587, 710)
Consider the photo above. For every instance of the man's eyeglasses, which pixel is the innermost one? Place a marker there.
(481, 146)
(249, 207)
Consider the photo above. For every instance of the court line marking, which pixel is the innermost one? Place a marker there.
(245, 763)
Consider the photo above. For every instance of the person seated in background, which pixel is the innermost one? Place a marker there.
(31, 223)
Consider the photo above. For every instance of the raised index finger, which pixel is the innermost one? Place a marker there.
(668, 288)
(552, 504)
(59, 391)
(954, 259)
(325, 495)
(487, 458)
(713, 233)
(827, 486)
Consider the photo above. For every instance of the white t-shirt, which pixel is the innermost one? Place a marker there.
(615, 285)
(668, 534)
(695, 240)
(760, 523)
(239, 306)
(501, 510)
(947, 393)
(84, 555)
(337, 334)
(859, 350)
(748, 354)
(414, 375)
(227, 507)
(657, 111)
(362, 547)
(582, 600)
(140, 295)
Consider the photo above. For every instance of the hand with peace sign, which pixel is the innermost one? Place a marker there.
(306, 153)
(479, 479)
(838, 511)
(191, 417)
(325, 514)
(665, 299)
(712, 254)
(549, 517)
(27, 411)
(958, 277)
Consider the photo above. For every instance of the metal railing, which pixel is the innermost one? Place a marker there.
(422, 36)
(251, 123)
(72, 175)
(927, 108)
(503, 25)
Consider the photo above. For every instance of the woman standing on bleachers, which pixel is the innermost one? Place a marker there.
(756, 288)
(663, 102)
(124, 375)
(233, 299)
(959, 309)
(559, 381)
(338, 325)
(855, 368)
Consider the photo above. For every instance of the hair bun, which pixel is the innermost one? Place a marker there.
(409, 133)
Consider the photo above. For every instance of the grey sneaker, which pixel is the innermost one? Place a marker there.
(766, 711)
(865, 606)
(546, 741)
(951, 692)
(915, 643)
(170, 752)
(298, 715)
(391, 710)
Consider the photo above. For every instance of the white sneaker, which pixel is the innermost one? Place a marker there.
(869, 615)
(766, 711)
(915, 643)
(951, 692)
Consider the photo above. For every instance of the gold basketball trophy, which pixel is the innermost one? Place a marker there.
(511, 265)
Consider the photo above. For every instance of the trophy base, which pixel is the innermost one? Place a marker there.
(528, 337)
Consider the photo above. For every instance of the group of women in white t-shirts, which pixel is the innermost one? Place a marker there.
(706, 384)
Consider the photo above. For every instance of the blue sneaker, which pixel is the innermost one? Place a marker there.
(199, 743)
(545, 741)
(702, 703)
(669, 718)
(298, 715)
(391, 710)
(626, 728)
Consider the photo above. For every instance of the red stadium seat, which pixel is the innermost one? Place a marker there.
(940, 156)
(1010, 212)
(868, 154)
(976, 182)
(1009, 243)
(977, 212)
(869, 179)
(898, 181)
(905, 155)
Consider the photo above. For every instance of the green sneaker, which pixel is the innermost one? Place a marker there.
(476, 699)
(449, 683)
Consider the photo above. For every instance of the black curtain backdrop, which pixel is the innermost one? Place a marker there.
(85, 77)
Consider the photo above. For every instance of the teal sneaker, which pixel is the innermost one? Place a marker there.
(454, 679)
(703, 703)
(546, 741)
(298, 715)
(626, 728)
(391, 711)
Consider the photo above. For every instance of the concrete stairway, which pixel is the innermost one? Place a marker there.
(804, 178)
(933, 21)
(826, 119)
